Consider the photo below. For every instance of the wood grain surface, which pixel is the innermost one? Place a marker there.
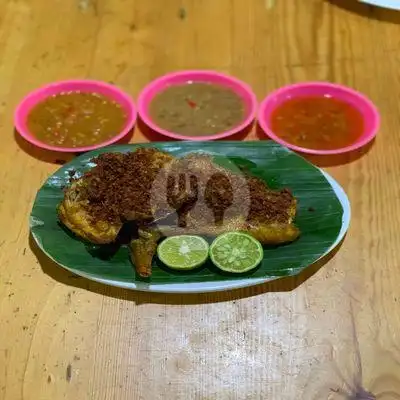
(63, 337)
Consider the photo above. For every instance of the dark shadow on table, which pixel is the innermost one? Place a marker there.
(286, 284)
(339, 159)
(261, 135)
(238, 136)
(154, 136)
(53, 157)
(368, 10)
(151, 135)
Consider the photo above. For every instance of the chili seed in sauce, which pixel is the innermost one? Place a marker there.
(76, 119)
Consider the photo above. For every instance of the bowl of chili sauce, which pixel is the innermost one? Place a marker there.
(75, 116)
(319, 118)
(197, 105)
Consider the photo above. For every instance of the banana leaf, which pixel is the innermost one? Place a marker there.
(320, 219)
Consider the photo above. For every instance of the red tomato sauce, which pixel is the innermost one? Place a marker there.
(320, 123)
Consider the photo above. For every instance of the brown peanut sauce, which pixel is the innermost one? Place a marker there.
(197, 109)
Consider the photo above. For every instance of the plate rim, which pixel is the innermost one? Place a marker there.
(215, 286)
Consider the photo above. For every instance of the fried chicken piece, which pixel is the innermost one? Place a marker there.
(73, 213)
(219, 201)
(143, 250)
(147, 185)
(119, 188)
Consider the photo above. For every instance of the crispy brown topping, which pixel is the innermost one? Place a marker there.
(225, 194)
(267, 205)
(121, 187)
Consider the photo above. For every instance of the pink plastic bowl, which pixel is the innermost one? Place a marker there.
(343, 93)
(181, 77)
(105, 89)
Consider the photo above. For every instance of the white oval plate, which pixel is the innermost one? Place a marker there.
(202, 287)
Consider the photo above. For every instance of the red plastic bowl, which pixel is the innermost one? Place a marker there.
(105, 89)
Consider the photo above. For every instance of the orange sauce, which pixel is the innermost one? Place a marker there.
(76, 119)
(320, 123)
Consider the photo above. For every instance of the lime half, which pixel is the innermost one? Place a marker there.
(236, 252)
(183, 252)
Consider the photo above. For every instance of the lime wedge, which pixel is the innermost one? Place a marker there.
(183, 252)
(236, 252)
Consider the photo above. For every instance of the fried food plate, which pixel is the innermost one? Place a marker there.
(322, 217)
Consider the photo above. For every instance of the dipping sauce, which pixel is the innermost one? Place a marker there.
(76, 119)
(320, 123)
(197, 109)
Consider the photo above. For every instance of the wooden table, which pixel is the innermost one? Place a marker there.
(63, 337)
